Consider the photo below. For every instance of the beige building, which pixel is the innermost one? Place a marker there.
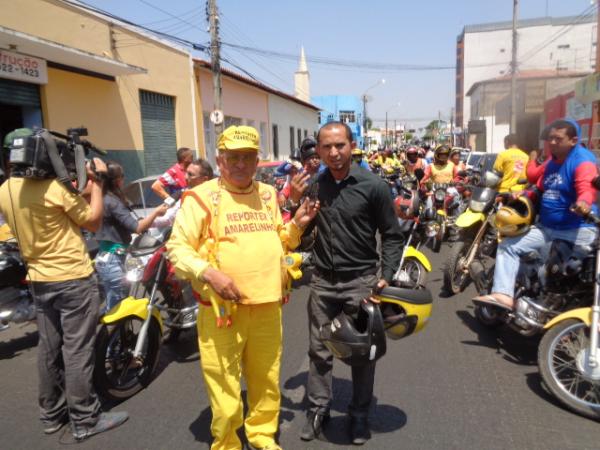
(65, 65)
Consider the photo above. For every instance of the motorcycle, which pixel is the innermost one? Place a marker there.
(568, 356)
(442, 204)
(16, 302)
(414, 265)
(545, 288)
(131, 333)
(477, 240)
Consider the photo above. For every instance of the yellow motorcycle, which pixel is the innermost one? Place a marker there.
(477, 240)
(569, 353)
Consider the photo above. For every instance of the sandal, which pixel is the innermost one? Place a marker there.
(491, 300)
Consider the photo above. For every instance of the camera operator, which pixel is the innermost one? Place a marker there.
(46, 218)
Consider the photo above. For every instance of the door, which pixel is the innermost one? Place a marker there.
(158, 130)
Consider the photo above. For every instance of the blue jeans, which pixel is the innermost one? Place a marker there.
(538, 238)
(109, 267)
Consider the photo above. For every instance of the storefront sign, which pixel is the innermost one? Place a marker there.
(23, 68)
(577, 110)
(587, 90)
(535, 96)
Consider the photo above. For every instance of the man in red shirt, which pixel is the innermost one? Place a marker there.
(173, 180)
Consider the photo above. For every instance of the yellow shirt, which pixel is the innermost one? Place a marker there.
(512, 163)
(443, 174)
(251, 239)
(389, 161)
(45, 219)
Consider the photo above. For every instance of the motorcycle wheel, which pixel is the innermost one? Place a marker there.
(416, 272)
(437, 240)
(488, 316)
(117, 374)
(561, 359)
(456, 280)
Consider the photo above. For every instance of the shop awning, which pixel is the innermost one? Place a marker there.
(30, 45)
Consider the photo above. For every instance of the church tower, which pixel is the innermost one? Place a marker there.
(302, 80)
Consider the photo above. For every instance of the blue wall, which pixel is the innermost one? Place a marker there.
(331, 105)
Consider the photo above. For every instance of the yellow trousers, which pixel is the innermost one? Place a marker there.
(250, 347)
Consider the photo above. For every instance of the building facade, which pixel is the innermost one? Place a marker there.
(342, 108)
(133, 91)
(282, 120)
(490, 107)
(483, 52)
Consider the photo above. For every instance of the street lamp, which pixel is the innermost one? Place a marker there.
(386, 123)
(364, 99)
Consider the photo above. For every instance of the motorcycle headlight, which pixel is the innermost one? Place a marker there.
(431, 229)
(477, 206)
(134, 267)
(440, 195)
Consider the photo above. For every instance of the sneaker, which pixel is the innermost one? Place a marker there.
(313, 426)
(359, 430)
(53, 427)
(106, 421)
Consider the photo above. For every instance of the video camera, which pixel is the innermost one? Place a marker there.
(41, 156)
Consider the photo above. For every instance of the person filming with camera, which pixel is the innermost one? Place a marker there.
(46, 217)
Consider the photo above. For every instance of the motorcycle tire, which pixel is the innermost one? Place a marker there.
(488, 316)
(416, 272)
(439, 238)
(117, 375)
(559, 351)
(456, 281)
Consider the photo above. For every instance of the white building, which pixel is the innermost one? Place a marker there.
(483, 52)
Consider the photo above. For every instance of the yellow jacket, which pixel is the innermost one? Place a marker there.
(239, 232)
(512, 163)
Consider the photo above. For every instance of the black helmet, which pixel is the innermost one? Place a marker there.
(356, 339)
(308, 148)
(12, 269)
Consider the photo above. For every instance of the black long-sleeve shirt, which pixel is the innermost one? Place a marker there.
(351, 213)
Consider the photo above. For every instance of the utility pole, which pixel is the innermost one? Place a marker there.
(395, 133)
(452, 127)
(386, 130)
(513, 71)
(215, 61)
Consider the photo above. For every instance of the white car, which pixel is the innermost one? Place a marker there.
(143, 199)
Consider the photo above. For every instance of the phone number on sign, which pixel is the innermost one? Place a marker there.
(10, 68)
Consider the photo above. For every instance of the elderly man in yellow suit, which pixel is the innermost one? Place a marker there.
(229, 240)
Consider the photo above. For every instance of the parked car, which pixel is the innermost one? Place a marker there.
(473, 159)
(141, 196)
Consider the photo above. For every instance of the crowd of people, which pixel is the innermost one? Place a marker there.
(229, 237)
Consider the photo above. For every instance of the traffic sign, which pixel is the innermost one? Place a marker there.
(217, 116)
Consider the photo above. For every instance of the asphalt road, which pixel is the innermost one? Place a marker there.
(456, 385)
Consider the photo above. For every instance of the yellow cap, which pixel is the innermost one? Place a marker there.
(239, 138)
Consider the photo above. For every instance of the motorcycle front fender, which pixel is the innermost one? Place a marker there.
(412, 252)
(582, 314)
(468, 218)
(130, 306)
(441, 212)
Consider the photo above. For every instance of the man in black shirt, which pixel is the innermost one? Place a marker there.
(355, 204)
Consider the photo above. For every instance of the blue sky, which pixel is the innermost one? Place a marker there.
(384, 31)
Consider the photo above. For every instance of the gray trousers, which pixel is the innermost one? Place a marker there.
(327, 298)
(67, 315)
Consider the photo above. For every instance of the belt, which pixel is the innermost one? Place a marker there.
(345, 275)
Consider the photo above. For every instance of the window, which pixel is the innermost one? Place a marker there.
(347, 116)
(264, 149)
(228, 121)
(305, 134)
(292, 139)
(275, 142)
(299, 136)
(564, 46)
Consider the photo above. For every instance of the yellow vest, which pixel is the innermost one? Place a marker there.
(442, 174)
(239, 232)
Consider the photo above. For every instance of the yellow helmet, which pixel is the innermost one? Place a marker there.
(389, 170)
(515, 217)
(404, 311)
(357, 152)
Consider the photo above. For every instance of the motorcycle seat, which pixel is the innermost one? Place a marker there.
(414, 296)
